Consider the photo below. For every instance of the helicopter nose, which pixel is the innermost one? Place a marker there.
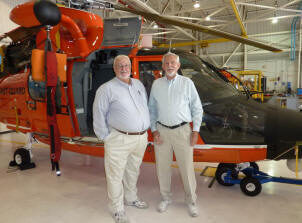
(283, 125)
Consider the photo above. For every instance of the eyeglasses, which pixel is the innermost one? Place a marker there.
(123, 66)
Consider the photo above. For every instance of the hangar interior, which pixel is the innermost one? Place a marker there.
(79, 194)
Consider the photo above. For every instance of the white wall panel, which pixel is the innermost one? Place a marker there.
(286, 70)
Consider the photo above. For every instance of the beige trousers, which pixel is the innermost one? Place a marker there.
(123, 157)
(177, 141)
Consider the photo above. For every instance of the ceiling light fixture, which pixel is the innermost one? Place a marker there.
(275, 20)
(155, 26)
(208, 18)
(196, 4)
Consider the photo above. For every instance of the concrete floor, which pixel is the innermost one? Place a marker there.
(79, 194)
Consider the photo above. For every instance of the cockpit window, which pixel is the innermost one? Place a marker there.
(208, 84)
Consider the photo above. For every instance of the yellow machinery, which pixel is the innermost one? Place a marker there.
(252, 80)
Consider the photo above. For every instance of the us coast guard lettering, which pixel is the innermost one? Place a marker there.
(12, 91)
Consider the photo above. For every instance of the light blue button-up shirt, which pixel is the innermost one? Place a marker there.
(120, 106)
(175, 101)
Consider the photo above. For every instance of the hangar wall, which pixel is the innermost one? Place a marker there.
(275, 66)
(278, 72)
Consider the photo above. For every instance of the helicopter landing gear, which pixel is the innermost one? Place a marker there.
(227, 175)
(23, 155)
(252, 180)
(227, 172)
(22, 159)
(221, 172)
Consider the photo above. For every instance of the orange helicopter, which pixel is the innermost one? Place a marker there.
(58, 58)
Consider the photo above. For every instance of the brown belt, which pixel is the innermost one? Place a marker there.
(132, 133)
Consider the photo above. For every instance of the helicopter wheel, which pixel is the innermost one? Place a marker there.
(222, 171)
(250, 186)
(22, 159)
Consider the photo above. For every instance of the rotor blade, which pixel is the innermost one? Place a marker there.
(204, 29)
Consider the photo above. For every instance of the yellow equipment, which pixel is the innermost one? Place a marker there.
(253, 82)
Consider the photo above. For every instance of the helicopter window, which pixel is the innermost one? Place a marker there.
(17, 56)
(36, 89)
(207, 82)
(232, 121)
(148, 72)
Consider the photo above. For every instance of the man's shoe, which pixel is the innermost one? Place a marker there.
(193, 209)
(120, 217)
(163, 205)
(137, 203)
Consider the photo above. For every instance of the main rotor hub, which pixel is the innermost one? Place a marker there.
(47, 13)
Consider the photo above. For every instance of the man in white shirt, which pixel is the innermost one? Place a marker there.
(121, 119)
(173, 104)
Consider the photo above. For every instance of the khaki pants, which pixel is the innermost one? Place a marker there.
(123, 157)
(177, 140)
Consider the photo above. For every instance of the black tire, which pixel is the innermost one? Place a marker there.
(250, 186)
(22, 157)
(221, 172)
(229, 165)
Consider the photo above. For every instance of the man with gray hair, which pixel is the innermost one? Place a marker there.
(121, 119)
(173, 104)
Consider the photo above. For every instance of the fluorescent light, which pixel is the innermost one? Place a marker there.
(196, 4)
(208, 18)
(274, 20)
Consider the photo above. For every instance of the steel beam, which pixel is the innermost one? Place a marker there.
(235, 9)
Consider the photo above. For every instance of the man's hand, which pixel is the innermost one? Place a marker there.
(157, 138)
(194, 138)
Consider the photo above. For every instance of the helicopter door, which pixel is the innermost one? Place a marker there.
(87, 77)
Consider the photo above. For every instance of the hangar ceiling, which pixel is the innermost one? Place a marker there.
(275, 22)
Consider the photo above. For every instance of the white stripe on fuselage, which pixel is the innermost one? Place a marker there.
(211, 146)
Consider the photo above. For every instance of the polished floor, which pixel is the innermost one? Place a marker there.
(79, 194)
